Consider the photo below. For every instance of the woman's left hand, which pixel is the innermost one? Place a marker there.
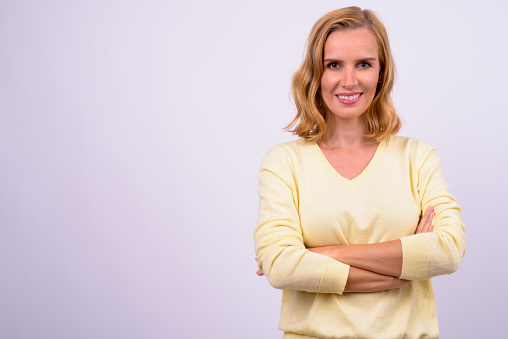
(425, 224)
(259, 272)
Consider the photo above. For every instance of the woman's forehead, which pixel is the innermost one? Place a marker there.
(356, 43)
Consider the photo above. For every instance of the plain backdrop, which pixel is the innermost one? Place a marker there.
(131, 133)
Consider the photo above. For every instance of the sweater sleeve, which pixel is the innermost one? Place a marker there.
(278, 238)
(427, 255)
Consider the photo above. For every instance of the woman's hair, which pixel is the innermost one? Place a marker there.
(312, 113)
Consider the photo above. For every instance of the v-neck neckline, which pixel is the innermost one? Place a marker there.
(360, 177)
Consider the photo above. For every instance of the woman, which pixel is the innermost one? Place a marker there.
(354, 220)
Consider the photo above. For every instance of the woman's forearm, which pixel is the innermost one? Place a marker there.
(361, 280)
(384, 258)
(366, 281)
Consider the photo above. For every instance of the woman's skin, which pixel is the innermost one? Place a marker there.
(383, 258)
(373, 267)
(350, 77)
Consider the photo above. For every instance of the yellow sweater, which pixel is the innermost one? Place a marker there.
(305, 202)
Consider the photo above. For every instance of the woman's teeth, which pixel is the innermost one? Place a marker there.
(352, 97)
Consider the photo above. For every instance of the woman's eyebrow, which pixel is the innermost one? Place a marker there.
(368, 59)
(360, 59)
(338, 60)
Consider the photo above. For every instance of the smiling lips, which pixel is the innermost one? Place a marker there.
(349, 98)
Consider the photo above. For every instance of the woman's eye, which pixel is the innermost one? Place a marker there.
(364, 65)
(333, 65)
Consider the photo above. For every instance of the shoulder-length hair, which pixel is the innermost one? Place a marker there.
(312, 113)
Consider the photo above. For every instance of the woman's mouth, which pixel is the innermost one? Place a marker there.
(348, 98)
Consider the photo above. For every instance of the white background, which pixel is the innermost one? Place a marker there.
(131, 133)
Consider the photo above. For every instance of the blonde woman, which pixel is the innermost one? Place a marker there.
(354, 220)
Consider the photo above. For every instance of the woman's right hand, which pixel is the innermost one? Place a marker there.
(425, 224)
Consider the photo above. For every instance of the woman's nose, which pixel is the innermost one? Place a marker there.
(349, 79)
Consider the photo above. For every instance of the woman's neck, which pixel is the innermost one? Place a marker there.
(346, 133)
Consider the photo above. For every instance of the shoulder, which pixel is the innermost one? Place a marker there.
(418, 152)
(400, 142)
(295, 146)
(282, 160)
(411, 146)
(292, 150)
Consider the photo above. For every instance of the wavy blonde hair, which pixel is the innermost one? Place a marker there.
(312, 114)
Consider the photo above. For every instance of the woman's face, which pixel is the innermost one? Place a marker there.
(351, 72)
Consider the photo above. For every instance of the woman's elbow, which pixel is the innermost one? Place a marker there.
(278, 282)
(282, 274)
(446, 263)
(454, 263)
(277, 276)
(456, 252)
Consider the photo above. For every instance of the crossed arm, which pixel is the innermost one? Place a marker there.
(373, 267)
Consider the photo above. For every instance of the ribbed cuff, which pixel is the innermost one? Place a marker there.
(415, 257)
(334, 277)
